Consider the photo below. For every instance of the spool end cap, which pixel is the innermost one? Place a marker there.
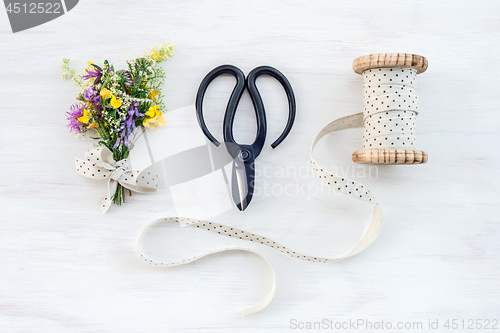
(381, 60)
(389, 156)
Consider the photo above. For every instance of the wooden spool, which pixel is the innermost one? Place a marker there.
(390, 156)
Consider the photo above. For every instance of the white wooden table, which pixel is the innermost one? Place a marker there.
(65, 267)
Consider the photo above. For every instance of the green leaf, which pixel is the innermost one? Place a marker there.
(97, 67)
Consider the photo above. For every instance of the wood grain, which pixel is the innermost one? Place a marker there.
(389, 156)
(384, 60)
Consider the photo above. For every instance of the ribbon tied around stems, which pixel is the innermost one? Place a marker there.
(99, 164)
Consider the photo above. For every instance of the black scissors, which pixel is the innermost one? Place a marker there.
(243, 173)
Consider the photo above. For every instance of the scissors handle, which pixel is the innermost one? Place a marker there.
(234, 100)
(259, 104)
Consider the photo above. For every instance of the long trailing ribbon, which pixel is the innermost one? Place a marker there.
(343, 185)
(101, 165)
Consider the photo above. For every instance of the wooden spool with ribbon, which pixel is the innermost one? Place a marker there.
(390, 108)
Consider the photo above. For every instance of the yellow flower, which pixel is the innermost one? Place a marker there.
(93, 125)
(154, 123)
(158, 54)
(115, 102)
(153, 95)
(155, 118)
(85, 118)
(105, 93)
(153, 111)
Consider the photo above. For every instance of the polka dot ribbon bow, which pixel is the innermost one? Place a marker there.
(99, 164)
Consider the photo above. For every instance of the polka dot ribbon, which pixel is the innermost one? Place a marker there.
(343, 185)
(99, 164)
(390, 108)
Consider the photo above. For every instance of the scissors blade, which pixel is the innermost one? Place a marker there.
(242, 184)
(238, 184)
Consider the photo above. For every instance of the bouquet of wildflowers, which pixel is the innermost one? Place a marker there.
(113, 104)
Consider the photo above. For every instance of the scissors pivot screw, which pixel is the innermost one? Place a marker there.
(245, 155)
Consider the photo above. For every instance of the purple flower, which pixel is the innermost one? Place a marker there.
(129, 123)
(133, 126)
(127, 127)
(91, 95)
(133, 110)
(76, 111)
(92, 73)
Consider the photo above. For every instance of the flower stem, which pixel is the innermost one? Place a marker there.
(121, 192)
